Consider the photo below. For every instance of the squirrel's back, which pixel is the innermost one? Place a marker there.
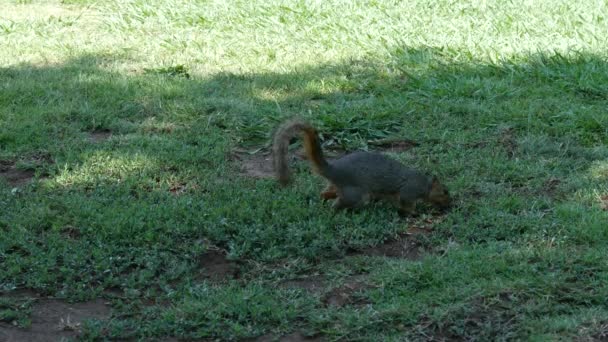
(376, 172)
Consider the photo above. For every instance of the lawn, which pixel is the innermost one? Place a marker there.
(136, 199)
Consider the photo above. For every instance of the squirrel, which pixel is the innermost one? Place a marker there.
(358, 177)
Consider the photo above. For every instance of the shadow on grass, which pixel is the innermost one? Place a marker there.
(139, 163)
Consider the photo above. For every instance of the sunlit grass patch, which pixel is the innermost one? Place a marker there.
(105, 167)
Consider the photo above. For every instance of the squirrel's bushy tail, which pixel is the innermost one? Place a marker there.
(312, 145)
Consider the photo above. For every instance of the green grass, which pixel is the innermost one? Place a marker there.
(506, 100)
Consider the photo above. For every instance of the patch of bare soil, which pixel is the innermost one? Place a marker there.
(598, 331)
(71, 232)
(99, 136)
(314, 284)
(507, 140)
(55, 320)
(550, 187)
(418, 230)
(401, 247)
(348, 293)
(113, 292)
(604, 202)
(21, 294)
(424, 226)
(394, 145)
(485, 319)
(405, 245)
(476, 144)
(178, 188)
(216, 267)
(15, 177)
(255, 165)
(295, 337)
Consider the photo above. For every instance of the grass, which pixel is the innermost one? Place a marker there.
(506, 100)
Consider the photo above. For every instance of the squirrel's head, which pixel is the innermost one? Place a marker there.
(439, 195)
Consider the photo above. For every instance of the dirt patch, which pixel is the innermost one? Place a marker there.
(484, 319)
(405, 245)
(314, 284)
(418, 230)
(424, 226)
(601, 332)
(71, 232)
(604, 202)
(55, 320)
(550, 187)
(476, 144)
(178, 188)
(18, 176)
(15, 177)
(400, 247)
(254, 165)
(507, 140)
(113, 292)
(295, 337)
(393, 145)
(99, 136)
(216, 267)
(347, 294)
(20, 294)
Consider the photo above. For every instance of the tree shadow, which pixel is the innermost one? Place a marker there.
(138, 156)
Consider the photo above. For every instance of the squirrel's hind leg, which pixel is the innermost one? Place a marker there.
(351, 198)
(330, 192)
(407, 203)
(407, 208)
